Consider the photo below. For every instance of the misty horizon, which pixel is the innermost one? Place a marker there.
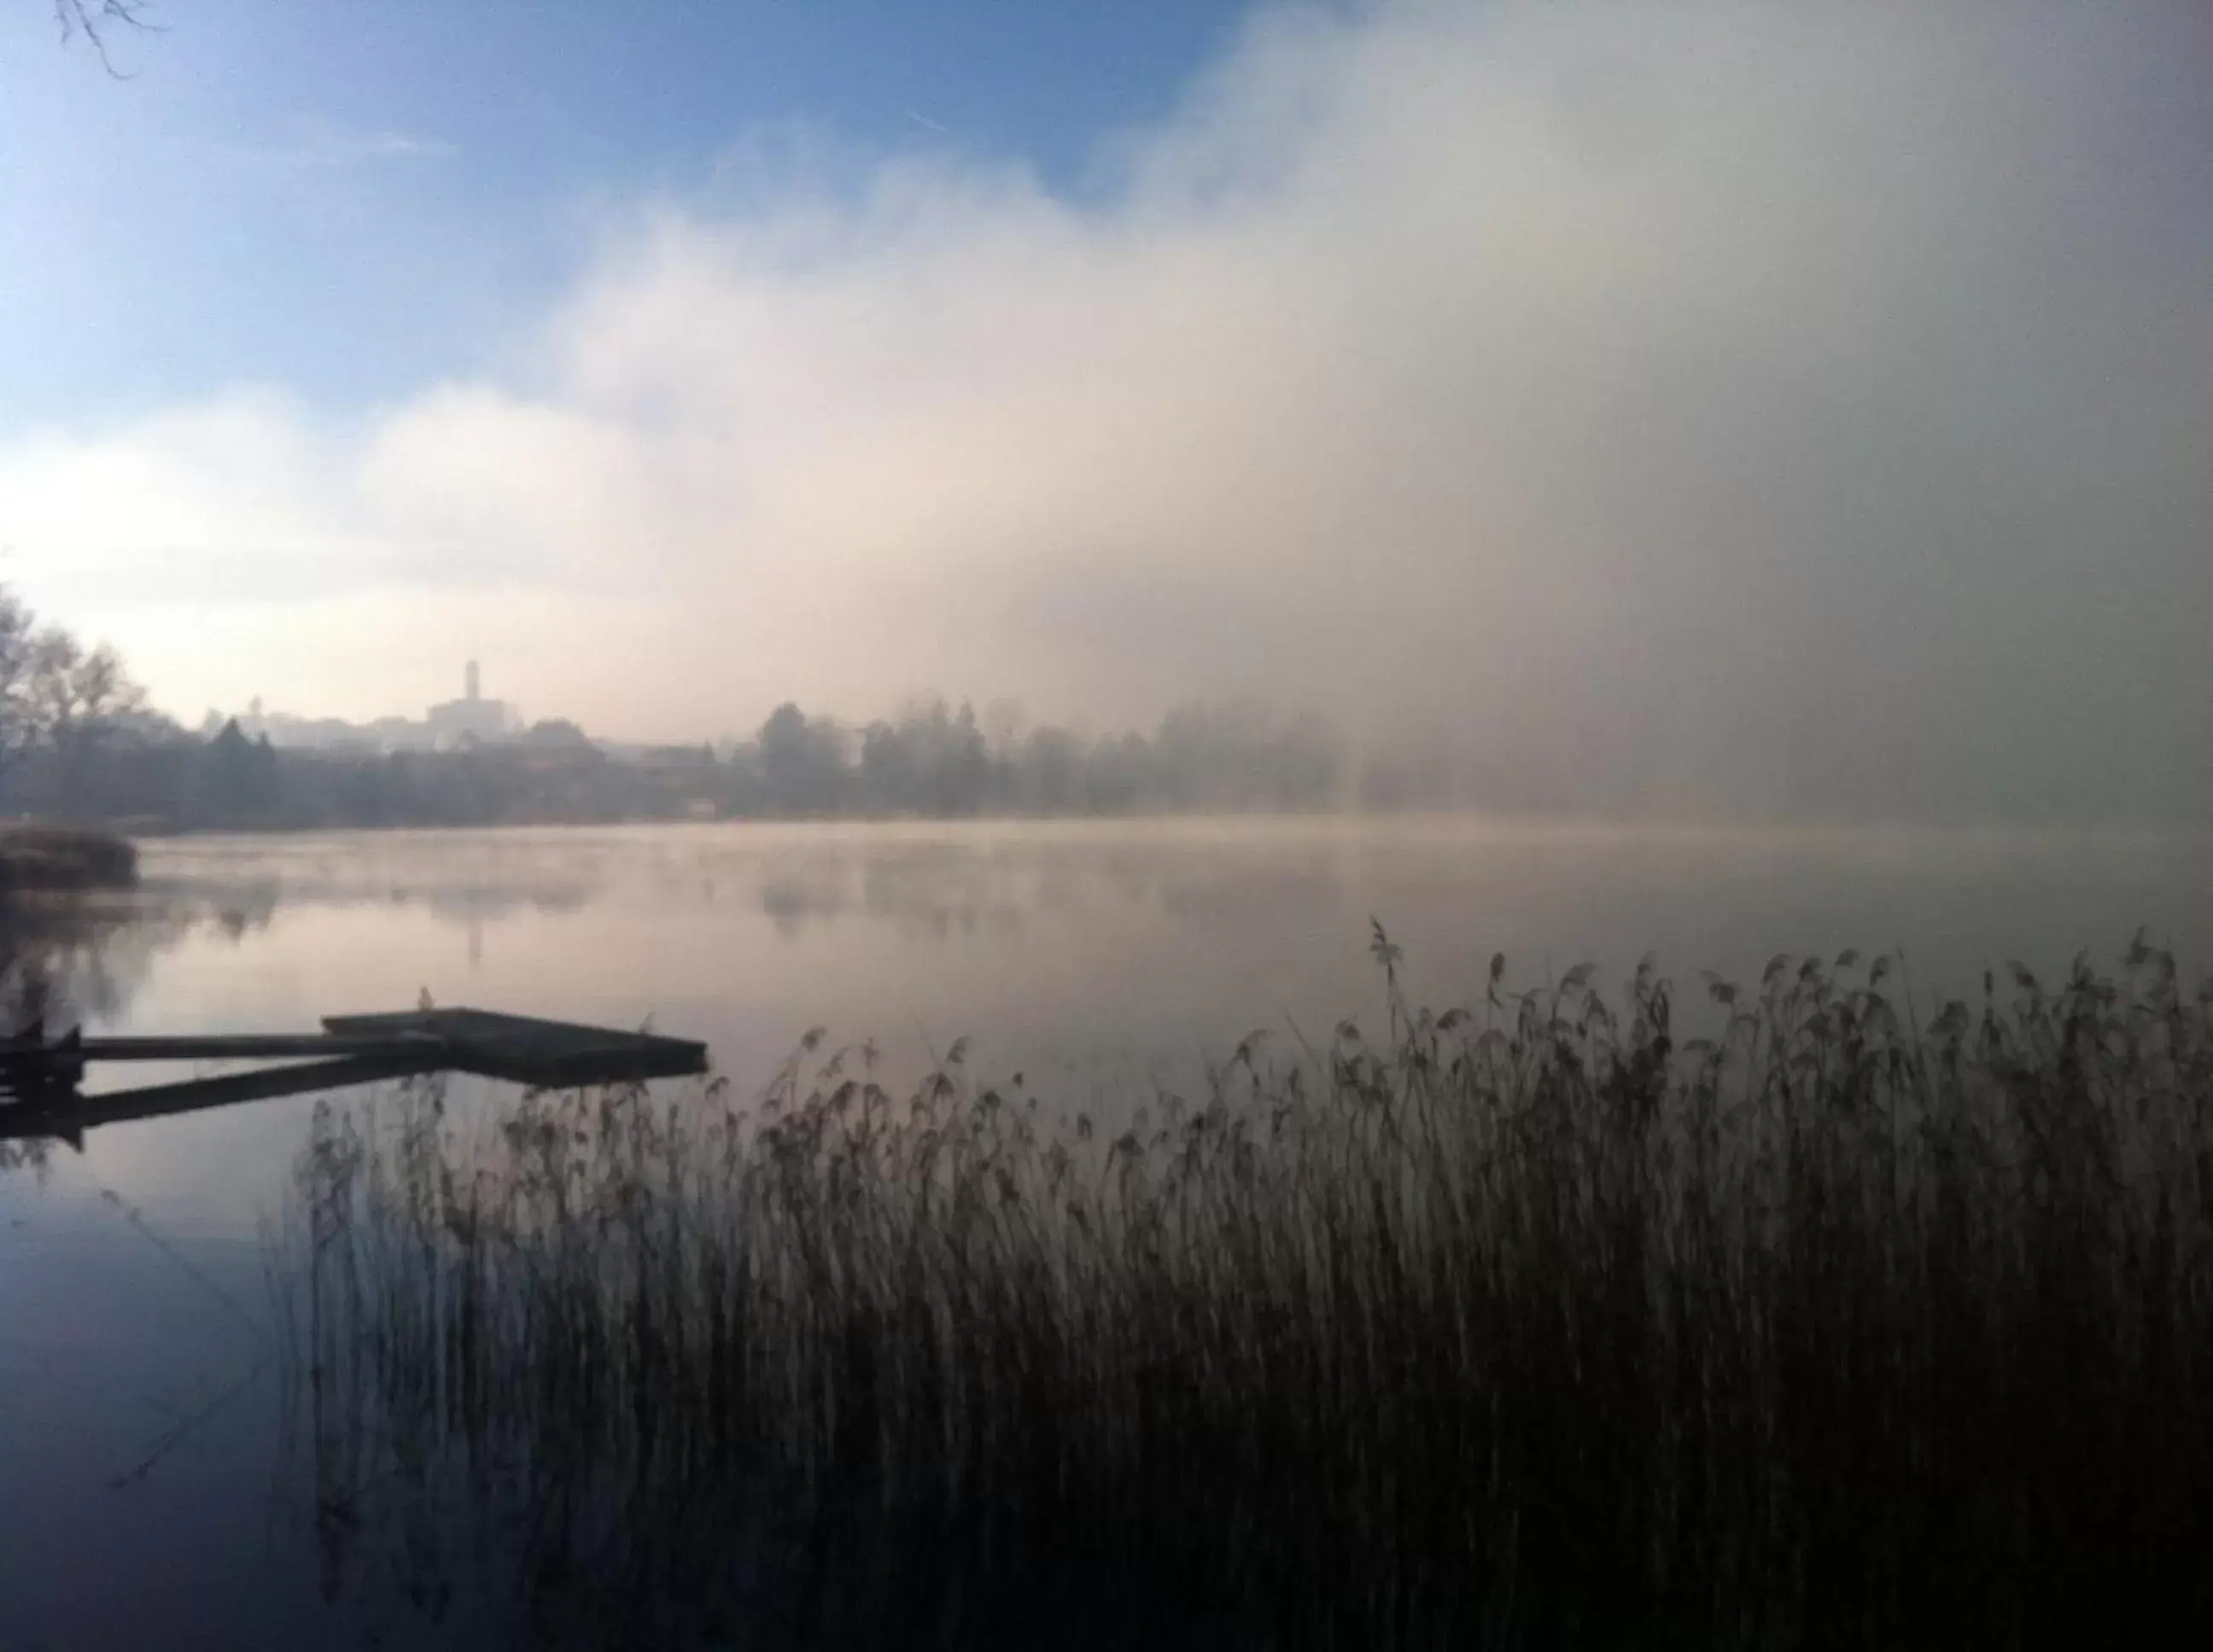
(1773, 412)
(1213, 823)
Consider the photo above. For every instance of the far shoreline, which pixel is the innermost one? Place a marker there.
(1408, 823)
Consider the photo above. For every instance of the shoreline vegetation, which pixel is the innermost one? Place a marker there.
(79, 741)
(43, 858)
(1559, 1319)
(933, 762)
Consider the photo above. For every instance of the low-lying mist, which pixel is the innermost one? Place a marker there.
(1783, 410)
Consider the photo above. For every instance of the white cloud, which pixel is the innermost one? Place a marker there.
(1787, 409)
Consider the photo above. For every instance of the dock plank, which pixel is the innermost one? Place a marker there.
(40, 1075)
(526, 1049)
(204, 1046)
(69, 1117)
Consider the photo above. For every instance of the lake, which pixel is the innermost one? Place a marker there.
(153, 1496)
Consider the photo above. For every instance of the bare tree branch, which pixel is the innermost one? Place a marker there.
(76, 698)
(94, 19)
(58, 696)
(19, 726)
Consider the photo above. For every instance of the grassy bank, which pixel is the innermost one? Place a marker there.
(1521, 1324)
(50, 857)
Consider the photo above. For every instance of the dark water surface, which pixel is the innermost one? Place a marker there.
(152, 1497)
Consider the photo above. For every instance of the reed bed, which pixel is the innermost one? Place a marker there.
(1532, 1323)
(36, 856)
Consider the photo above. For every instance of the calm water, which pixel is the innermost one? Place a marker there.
(151, 1500)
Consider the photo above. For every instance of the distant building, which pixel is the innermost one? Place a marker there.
(472, 718)
(455, 725)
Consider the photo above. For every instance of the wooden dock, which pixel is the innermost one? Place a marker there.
(41, 1075)
(523, 1050)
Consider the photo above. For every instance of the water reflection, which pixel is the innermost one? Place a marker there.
(1094, 958)
(64, 957)
(1133, 939)
(940, 882)
(1062, 943)
(459, 883)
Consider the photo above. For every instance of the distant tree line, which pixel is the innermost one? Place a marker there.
(78, 742)
(145, 772)
(934, 761)
(152, 776)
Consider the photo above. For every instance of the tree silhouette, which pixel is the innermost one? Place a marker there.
(77, 698)
(56, 696)
(803, 762)
(18, 723)
(95, 20)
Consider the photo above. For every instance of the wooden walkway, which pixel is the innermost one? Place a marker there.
(555, 1055)
(42, 1075)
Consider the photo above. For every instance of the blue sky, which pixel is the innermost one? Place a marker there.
(351, 197)
(1761, 409)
